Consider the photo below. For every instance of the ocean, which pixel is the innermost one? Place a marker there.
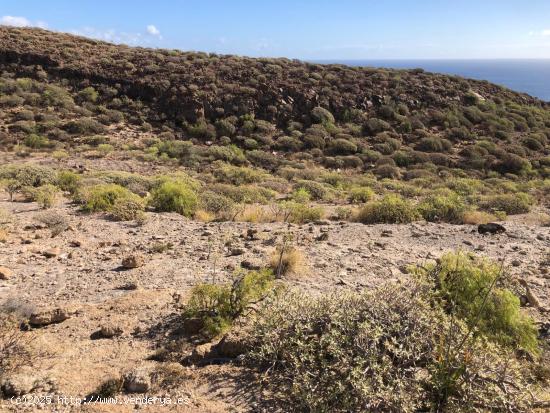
(531, 76)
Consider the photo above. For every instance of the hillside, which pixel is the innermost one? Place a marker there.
(249, 234)
(277, 104)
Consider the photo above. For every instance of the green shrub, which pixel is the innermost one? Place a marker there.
(219, 305)
(102, 197)
(387, 171)
(246, 194)
(392, 209)
(387, 349)
(300, 213)
(236, 175)
(46, 195)
(443, 208)
(28, 175)
(321, 115)
(433, 144)
(68, 181)
(301, 195)
(342, 147)
(315, 189)
(511, 204)
(84, 126)
(37, 142)
(360, 195)
(175, 196)
(216, 203)
(472, 288)
(128, 209)
(88, 94)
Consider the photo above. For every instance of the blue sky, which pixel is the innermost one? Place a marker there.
(312, 29)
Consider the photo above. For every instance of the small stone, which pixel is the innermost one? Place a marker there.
(109, 331)
(237, 251)
(129, 286)
(322, 237)
(5, 273)
(137, 381)
(51, 252)
(133, 261)
(516, 263)
(76, 243)
(249, 265)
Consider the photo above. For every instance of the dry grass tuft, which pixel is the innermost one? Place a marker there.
(477, 217)
(287, 260)
(256, 214)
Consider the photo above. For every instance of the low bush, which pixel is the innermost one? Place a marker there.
(216, 203)
(175, 196)
(219, 305)
(103, 197)
(128, 209)
(511, 204)
(300, 213)
(68, 181)
(447, 207)
(47, 195)
(392, 209)
(236, 175)
(16, 347)
(317, 190)
(474, 289)
(360, 195)
(387, 349)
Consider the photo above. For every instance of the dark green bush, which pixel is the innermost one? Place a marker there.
(433, 144)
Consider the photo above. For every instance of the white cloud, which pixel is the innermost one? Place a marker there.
(110, 35)
(19, 21)
(153, 31)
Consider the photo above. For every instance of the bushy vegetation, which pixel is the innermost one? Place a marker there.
(446, 207)
(473, 289)
(102, 197)
(444, 342)
(392, 209)
(175, 196)
(219, 305)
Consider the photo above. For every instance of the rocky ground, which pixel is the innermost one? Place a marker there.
(119, 287)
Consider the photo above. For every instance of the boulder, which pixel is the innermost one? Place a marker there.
(17, 385)
(49, 316)
(490, 228)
